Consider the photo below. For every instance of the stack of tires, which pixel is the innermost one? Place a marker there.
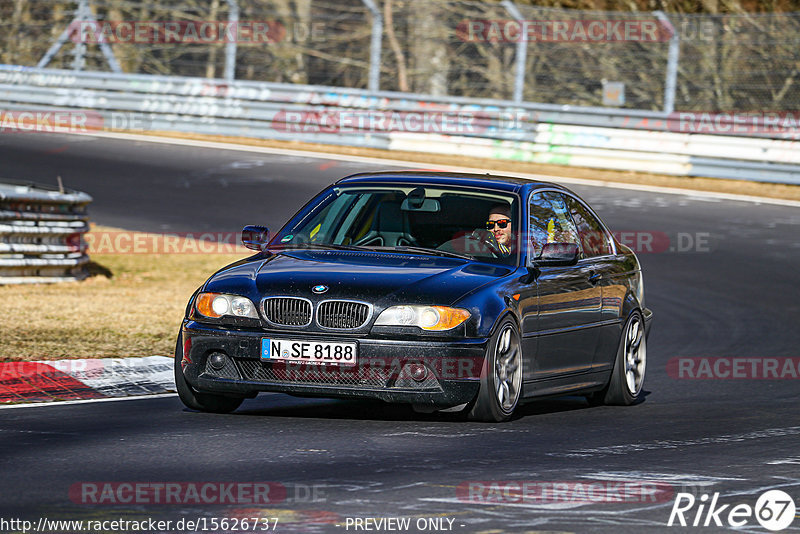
(41, 233)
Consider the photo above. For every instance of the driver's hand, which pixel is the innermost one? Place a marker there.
(487, 238)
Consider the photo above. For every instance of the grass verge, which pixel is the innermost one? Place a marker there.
(131, 305)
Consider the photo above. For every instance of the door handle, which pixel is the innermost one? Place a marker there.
(594, 277)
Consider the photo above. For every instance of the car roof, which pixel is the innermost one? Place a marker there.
(487, 181)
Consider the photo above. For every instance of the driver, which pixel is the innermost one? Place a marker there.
(499, 223)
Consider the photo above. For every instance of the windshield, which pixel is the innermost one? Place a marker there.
(422, 219)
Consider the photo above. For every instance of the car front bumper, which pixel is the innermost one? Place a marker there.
(384, 368)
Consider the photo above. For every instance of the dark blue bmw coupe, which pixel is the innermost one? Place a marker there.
(447, 291)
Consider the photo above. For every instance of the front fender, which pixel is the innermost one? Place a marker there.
(488, 307)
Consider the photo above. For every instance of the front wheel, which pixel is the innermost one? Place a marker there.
(194, 400)
(627, 379)
(501, 376)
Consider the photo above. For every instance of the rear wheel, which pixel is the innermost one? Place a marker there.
(192, 399)
(501, 376)
(627, 379)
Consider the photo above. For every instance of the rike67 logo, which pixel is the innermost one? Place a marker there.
(774, 510)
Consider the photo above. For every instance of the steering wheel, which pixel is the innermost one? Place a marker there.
(486, 238)
(375, 238)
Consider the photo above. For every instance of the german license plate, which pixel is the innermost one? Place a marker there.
(317, 352)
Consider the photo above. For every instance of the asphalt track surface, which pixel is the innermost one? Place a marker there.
(734, 296)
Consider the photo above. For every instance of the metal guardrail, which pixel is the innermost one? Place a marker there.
(41, 234)
(578, 136)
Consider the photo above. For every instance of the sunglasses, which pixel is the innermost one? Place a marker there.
(501, 223)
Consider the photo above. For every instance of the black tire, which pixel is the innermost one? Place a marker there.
(627, 379)
(501, 376)
(194, 400)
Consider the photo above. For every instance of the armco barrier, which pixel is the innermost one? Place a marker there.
(576, 136)
(41, 234)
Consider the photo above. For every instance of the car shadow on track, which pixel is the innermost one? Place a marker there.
(280, 405)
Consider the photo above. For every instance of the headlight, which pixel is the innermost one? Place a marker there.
(425, 317)
(217, 304)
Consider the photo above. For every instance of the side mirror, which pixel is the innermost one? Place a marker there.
(554, 254)
(255, 237)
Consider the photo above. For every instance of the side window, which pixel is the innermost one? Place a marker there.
(325, 222)
(549, 222)
(593, 238)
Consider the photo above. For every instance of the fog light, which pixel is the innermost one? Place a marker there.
(217, 360)
(417, 371)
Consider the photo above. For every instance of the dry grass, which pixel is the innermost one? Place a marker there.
(132, 305)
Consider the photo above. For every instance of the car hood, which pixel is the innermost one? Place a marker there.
(383, 279)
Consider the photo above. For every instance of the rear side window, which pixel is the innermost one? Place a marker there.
(593, 238)
(550, 222)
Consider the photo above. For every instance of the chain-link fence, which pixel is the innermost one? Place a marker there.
(739, 63)
(438, 47)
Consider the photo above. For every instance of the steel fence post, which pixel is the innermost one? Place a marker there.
(522, 51)
(375, 46)
(79, 60)
(671, 80)
(230, 46)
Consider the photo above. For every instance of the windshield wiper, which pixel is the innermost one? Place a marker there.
(418, 250)
(430, 251)
(330, 246)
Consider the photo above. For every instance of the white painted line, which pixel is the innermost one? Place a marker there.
(416, 164)
(85, 401)
(647, 476)
(768, 433)
(793, 460)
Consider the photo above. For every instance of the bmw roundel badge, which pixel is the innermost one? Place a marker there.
(319, 289)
